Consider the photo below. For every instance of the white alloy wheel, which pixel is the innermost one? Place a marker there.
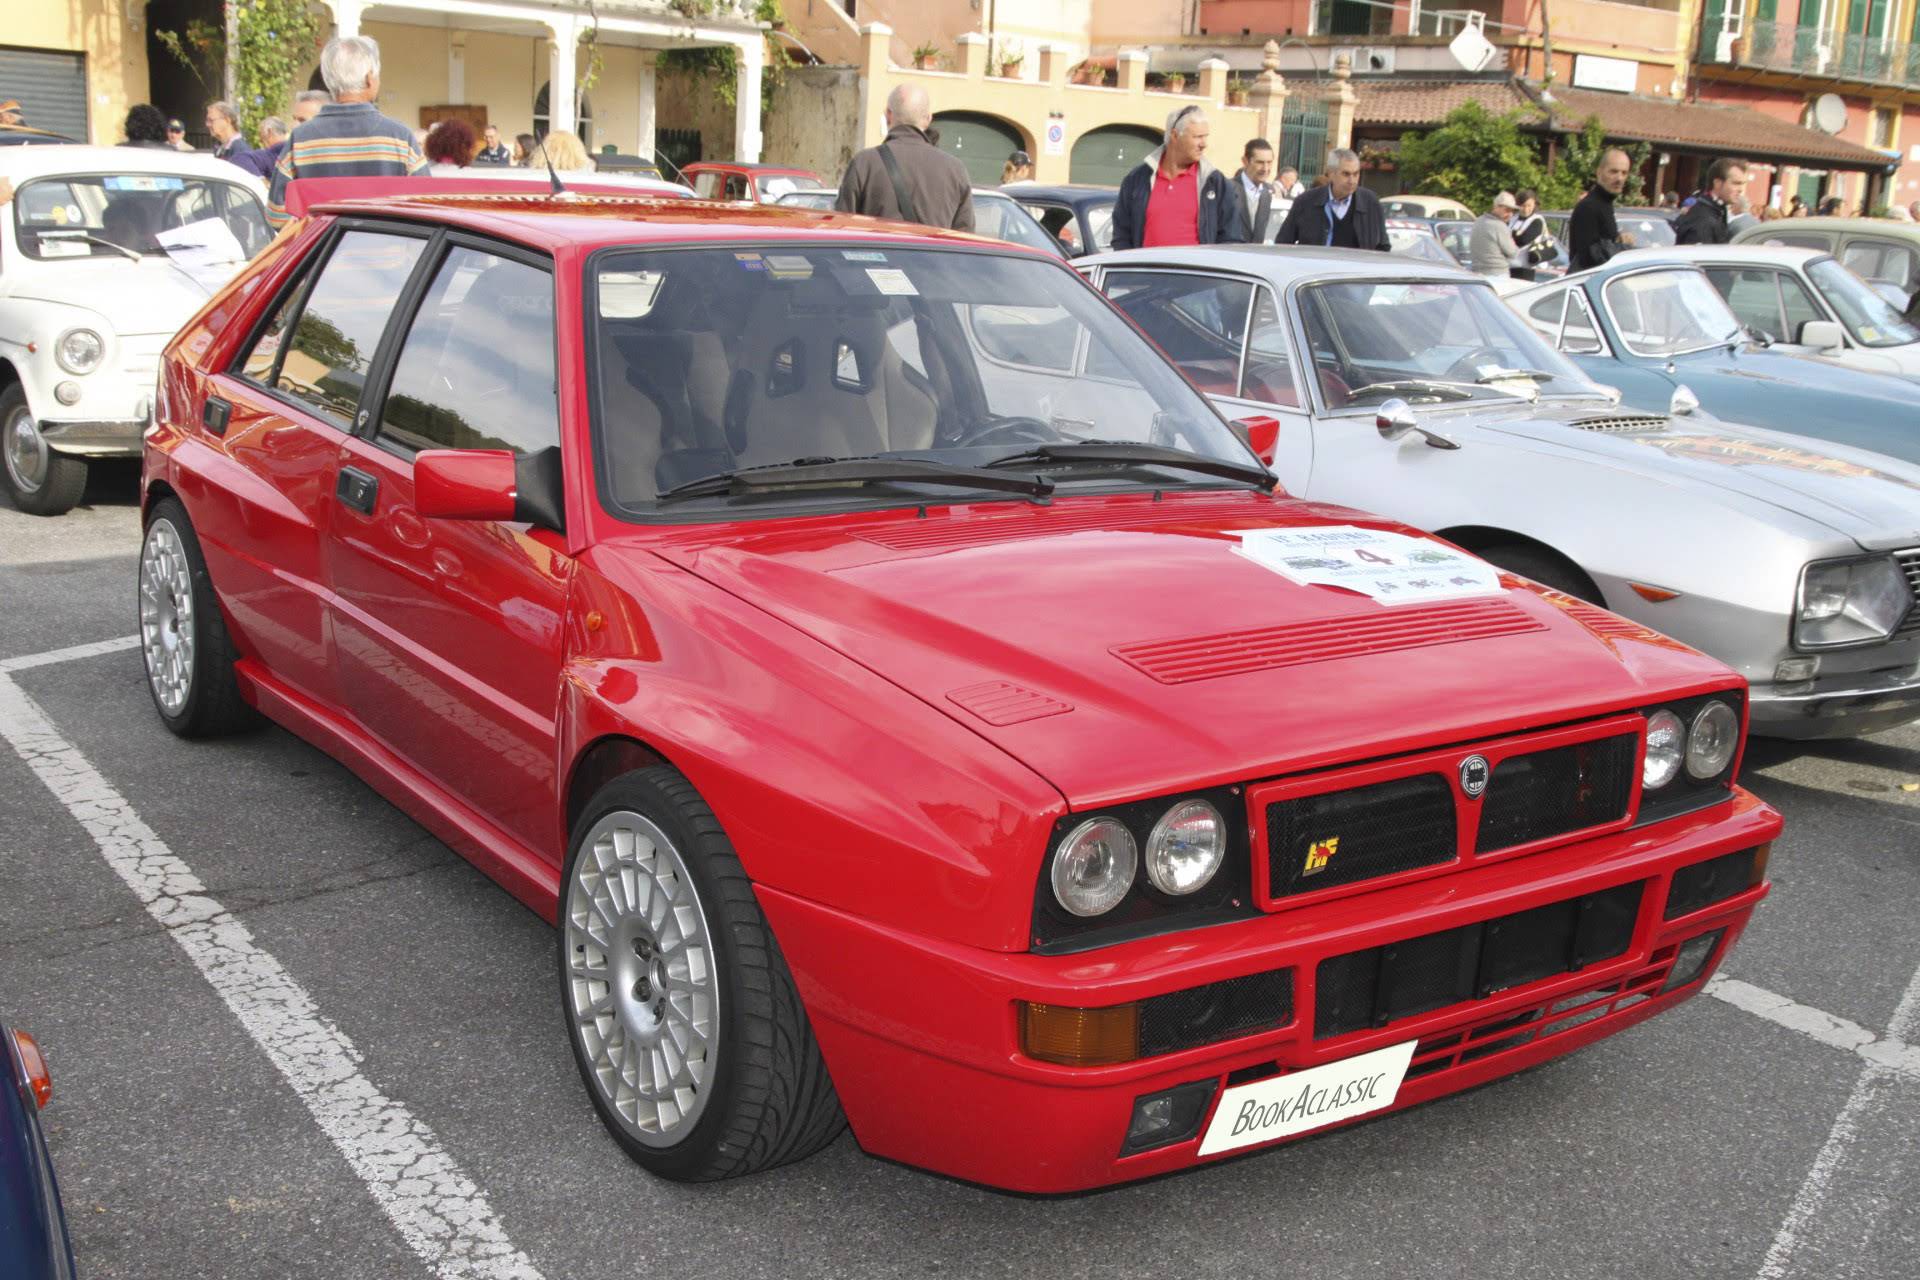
(166, 616)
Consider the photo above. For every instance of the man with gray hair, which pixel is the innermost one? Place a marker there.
(907, 178)
(1339, 213)
(348, 138)
(1176, 195)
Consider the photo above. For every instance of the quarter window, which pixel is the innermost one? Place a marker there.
(1798, 305)
(1199, 321)
(476, 371)
(1269, 373)
(1754, 296)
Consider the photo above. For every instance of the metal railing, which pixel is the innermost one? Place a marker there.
(1443, 22)
(1784, 46)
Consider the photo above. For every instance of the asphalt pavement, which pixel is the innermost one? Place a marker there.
(330, 947)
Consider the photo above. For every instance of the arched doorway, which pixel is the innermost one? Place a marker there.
(1103, 156)
(982, 142)
(583, 128)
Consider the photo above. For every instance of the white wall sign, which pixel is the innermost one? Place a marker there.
(1615, 75)
(1055, 141)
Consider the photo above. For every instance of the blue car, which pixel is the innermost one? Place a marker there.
(1660, 330)
(33, 1226)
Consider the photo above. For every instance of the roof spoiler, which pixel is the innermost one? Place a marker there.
(303, 194)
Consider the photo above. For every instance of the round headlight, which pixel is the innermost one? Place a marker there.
(1093, 867)
(1666, 744)
(1186, 847)
(79, 350)
(1711, 742)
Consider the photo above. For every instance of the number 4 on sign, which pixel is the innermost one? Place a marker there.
(1369, 557)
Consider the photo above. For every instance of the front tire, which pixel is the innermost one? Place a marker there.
(684, 1021)
(1546, 568)
(183, 639)
(41, 481)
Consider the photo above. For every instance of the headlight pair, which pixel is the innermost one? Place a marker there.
(1095, 865)
(79, 350)
(1706, 747)
(1850, 602)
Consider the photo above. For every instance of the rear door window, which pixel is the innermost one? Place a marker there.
(1199, 321)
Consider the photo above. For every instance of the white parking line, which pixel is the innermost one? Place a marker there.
(437, 1209)
(1889, 1051)
(49, 658)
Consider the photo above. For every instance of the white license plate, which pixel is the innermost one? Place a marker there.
(1283, 1105)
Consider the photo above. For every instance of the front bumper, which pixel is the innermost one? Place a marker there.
(1844, 705)
(94, 438)
(921, 1036)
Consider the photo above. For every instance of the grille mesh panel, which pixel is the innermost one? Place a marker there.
(1217, 1011)
(1380, 830)
(1549, 793)
(1910, 565)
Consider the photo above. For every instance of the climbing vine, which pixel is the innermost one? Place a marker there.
(720, 64)
(273, 41)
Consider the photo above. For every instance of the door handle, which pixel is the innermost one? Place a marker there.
(357, 489)
(214, 414)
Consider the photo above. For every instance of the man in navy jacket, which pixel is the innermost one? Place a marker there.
(1339, 212)
(1176, 196)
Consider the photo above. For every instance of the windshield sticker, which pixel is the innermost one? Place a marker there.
(60, 215)
(142, 182)
(789, 266)
(862, 255)
(892, 280)
(750, 261)
(1390, 567)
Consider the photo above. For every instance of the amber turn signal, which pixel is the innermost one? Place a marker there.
(34, 1063)
(1658, 595)
(1080, 1037)
(1760, 857)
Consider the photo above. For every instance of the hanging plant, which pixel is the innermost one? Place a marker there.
(719, 65)
(273, 41)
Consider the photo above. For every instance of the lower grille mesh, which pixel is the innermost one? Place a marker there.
(1376, 830)
(1549, 793)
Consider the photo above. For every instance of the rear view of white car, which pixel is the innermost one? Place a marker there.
(104, 253)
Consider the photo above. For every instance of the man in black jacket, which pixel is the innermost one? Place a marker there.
(1706, 221)
(1176, 196)
(1339, 212)
(907, 178)
(1593, 235)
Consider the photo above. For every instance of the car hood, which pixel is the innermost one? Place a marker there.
(150, 296)
(1868, 497)
(1027, 625)
(1764, 368)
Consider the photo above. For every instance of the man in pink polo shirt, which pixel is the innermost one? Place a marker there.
(1175, 195)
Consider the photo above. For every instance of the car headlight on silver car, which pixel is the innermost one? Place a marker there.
(1093, 867)
(1186, 847)
(79, 350)
(1850, 602)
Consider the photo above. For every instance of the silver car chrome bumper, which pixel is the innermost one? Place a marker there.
(113, 439)
(1840, 707)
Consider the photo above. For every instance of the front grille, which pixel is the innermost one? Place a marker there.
(1374, 987)
(1910, 565)
(1550, 793)
(1339, 837)
(1217, 1011)
(1621, 422)
(1451, 1049)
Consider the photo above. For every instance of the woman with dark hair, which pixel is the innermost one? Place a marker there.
(1529, 230)
(451, 145)
(147, 126)
(523, 145)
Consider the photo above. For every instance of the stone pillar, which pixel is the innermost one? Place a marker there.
(875, 39)
(646, 92)
(973, 54)
(1269, 95)
(1132, 64)
(1054, 61)
(752, 56)
(1341, 102)
(561, 79)
(456, 66)
(1213, 81)
(346, 16)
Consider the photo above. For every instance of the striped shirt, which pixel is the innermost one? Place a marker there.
(346, 140)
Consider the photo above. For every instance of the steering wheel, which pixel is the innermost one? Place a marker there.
(1010, 429)
(1467, 367)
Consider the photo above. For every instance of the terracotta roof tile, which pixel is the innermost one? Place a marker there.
(1396, 101)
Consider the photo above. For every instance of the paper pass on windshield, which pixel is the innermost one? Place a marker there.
(1390, 567)
(892, 280)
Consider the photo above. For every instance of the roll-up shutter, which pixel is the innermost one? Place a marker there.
(51, 88)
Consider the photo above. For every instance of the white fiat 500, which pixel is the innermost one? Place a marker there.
(104, 253)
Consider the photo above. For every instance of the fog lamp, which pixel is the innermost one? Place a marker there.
(1080, 1037)
(1692, 960)
(1170, 1116)
(67, 392)
(1795, 670)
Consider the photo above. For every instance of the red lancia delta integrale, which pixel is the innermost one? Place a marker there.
(915, 706)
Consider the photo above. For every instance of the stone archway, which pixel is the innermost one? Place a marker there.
(981, 141)
(582, 128)
(1101, 157)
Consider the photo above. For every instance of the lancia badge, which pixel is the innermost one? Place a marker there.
(1474, 772)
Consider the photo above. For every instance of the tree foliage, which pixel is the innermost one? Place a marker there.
(1471, 156)
(200, 47)
(720, 64)
(273, 42)
(1580, 157)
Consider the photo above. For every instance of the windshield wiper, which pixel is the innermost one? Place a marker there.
(1504, 375)
(1105, 452)
(83, 236)
(1434, 386)
(802, 472)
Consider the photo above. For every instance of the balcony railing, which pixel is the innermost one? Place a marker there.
(1783, 46)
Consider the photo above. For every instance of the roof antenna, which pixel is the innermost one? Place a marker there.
(559, 192)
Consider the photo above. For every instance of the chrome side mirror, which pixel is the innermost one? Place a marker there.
(1683, 403)
(1395, 419)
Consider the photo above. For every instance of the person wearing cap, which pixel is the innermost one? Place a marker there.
(1492, 251)
(1018, 170)
(177, 136)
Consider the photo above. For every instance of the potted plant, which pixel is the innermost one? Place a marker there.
(926, 57)
(1237, 92)
(1008, 56)
(1176, 82)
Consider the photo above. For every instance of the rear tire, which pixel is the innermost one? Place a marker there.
(41, 481)
(683, 1019)
(1547, 568)
(183, 637)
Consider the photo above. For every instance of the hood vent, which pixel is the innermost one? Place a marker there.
(1013, 525)
(1292, 644)
(1621, 422)
(1000, 703)
(1602, 622)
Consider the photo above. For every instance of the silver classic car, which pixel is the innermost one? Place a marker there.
(1414, 391)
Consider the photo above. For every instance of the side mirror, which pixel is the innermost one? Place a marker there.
(1260, 434)
(490, 484)
(1683, 403)
(1822, 335)
(1395, 419)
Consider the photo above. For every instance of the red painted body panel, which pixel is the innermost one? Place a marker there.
(890, 711)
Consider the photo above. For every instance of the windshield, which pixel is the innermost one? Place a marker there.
(1870, 318)
(710, 360)
(998, 216)
(1370, 339)
(88, 216)
(808, 199)
(1668, 313)
(1647, 230)
(1417, 242)
(775, 185)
